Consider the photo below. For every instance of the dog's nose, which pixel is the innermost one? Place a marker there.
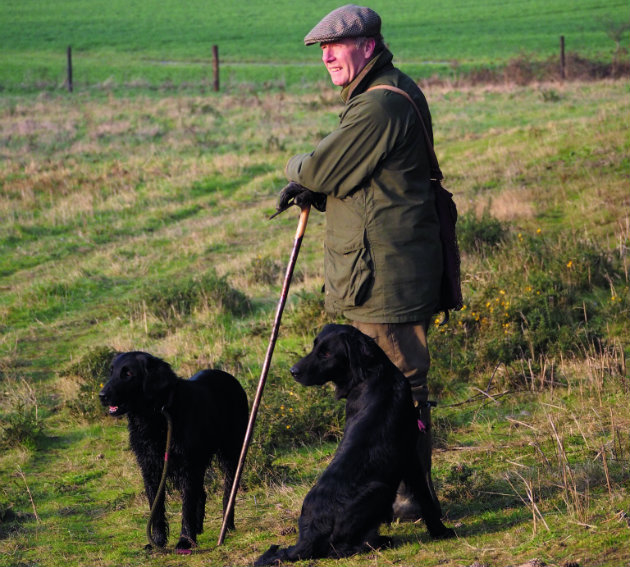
(295, 371)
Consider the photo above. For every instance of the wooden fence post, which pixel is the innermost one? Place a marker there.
(215, 67)
(563, 69)
(69, 69)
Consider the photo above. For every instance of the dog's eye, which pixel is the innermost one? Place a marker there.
(323, 354)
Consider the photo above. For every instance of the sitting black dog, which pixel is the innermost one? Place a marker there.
(342, 513)
(209, 415)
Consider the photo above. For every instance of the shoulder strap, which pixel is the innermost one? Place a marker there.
(435, 166)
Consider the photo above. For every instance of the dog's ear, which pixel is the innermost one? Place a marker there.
(362, 355)
(117, 359)
(359, 356)
(157, 376)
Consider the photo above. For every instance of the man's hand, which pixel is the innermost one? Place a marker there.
(295, 194)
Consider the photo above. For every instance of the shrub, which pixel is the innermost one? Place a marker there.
(264, 270)
(175, 299)
(532, 298)
(476, 235)
(525, 69)
(292, 416)
(20, 423)
(20, 426)
(88, 374)
(307, 314)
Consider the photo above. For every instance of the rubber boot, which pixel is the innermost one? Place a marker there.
(405, 507)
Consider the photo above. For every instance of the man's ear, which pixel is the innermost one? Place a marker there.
(369, 45)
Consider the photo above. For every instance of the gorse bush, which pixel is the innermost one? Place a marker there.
(534, 297)
(295, 415)
(306, 315)
(291, 416)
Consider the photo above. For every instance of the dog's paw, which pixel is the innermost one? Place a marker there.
(381, 542)
(158, 536)
(185, 545)
(270, 557)
(442, 533)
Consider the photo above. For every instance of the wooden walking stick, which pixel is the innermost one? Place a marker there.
(265, 369)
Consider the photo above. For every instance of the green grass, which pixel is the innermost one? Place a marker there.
(142, 223)
(134, 216)
(168, 44)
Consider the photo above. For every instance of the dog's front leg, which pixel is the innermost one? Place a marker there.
(314, 528)
(193, 510)
(159, 525)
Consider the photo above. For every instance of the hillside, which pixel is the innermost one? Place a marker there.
(142, 223)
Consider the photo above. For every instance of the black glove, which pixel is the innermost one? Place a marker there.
(295, 194)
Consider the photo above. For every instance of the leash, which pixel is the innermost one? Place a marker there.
(162, 485)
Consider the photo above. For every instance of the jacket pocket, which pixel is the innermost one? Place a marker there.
(348, 268)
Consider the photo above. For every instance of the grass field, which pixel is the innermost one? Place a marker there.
(134, 215)
(141, 223)
(167, 44)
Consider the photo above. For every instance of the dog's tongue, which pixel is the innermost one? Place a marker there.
(113, 409)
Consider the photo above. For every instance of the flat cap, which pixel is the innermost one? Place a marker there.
(348, 21)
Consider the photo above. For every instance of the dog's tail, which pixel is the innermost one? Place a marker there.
(275, 555)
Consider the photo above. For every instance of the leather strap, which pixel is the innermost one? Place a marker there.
(436, 172)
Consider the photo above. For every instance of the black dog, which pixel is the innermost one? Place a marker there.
(209, 415)
(342, 513)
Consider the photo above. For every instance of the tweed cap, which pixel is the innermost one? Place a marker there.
(348, 21)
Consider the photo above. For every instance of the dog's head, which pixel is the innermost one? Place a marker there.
(138, 382)
(341, 354)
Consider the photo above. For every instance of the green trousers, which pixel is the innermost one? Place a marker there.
(406, 346)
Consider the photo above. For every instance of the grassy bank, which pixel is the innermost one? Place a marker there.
(141, 223)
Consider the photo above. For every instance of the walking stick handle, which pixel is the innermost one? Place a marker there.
(301, 229)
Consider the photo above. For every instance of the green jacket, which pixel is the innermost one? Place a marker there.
(383, 257)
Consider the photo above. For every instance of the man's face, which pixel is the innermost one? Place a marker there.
(345, 58)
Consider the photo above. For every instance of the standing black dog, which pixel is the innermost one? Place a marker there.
(342, 513)
(209, 415)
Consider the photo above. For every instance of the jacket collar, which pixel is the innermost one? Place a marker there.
(362, 80)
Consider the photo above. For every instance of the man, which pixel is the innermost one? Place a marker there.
(383, 256)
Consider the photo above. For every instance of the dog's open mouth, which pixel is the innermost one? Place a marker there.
(116, 410)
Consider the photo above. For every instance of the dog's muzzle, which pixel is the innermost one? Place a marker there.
(111, 409)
